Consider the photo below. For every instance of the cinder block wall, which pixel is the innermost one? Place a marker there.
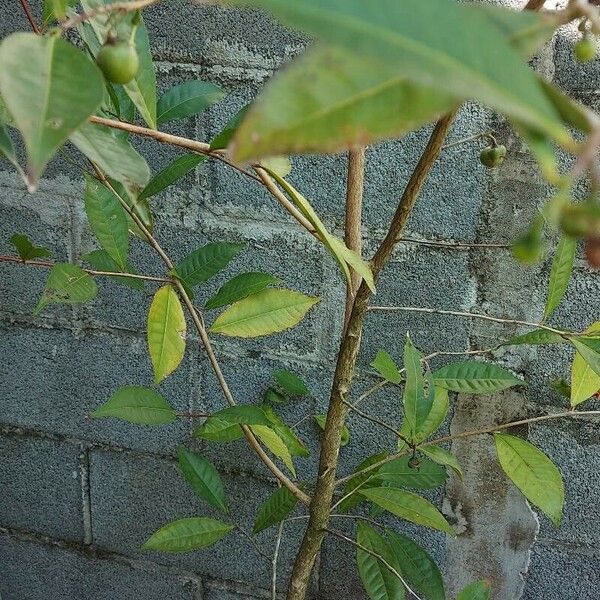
(78, 497)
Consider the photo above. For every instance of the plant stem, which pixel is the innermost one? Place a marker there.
(452, 245)
(344, 371)
(121, 7)
(468, 315)
(29, 15)
(274, 561)
(471, 138)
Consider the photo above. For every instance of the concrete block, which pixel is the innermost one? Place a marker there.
(133, 496)
(220, 594)
(76, 375)
(41, 483)
(31, 571)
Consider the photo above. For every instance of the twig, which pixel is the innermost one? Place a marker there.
(121, 7)
(352, 231)
(50, 264)
(382, 560)
(274, 561)
(468, 315)
(471, 138)
(253, 542)
(451, 245)
(29, 15)
(449, 438)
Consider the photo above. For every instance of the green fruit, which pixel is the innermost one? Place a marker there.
(492, 156)
(119, 61)
(580, 220)
(585, 50)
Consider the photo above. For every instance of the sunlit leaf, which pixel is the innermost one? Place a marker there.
(189, 534)
(533, 473)
(166, 332)
(68, 284)
(274, 509)
(186, 99)
(474, 377)
(562, 265)
(137, 404)
(384, 364)
(239, 287)
(275, 444)
(443, 457)
(584, 380)
(286, 433)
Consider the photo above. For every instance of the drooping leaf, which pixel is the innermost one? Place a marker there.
(171, 173)
(26, 249)
(269, 311)
(321, 419)
(186, 99)
(223, 138)
(274, 509)
(480, 590)
(290, 383)
(379, 581)
(68, 284)
(409, 506)
(414, 399)
(562, 265)
(384, 364)
(275, 444)
(474, 377)
(239, 287)
(443, 457)
(536, 337)
(416, 566)
(398, 473)
(107, 220)
(281, 165)
(533, 473)
(584, 380)
(589, 349)
(436, 416)
(203, 477)
(341, 253)
(166, 332)
(50, 89)
(137, 404)
(188, 534)
(399, 34)
(101, 261)
(205, 262)
(295, 446)
(115, 156)
(358, 481)
(224, 426)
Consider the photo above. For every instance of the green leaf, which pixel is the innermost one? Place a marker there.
(398, 473)
(139, 207)
(281, 165)
(186, 99)
(50, 89)
(357, 482)
(560, 273)
(480, 590)
(223, 138)
(241, 286)
(176, 170)
(416, 566)
(379, 582)
(585, 382)
(137, 404)
(114, 155)
(416, 407)
(267, 312)
(275, 444)
(384, 364)
(321, 419)
(290, 383)
(67, 284)
(203, 477)
(166, 332)
(399, 34)
(224, 426)
(273, 396)
(533, 473)
(344, 256)
(536, 337)
(107, 220)
(443, 457)
(474, 377)
(205, 262)
(55, 10)
(26, 249)
(7, 148)
(409, 506)
(101, 261)
(436, 416)
(589, 350)
(275, 509)
(289, 438)
(187, 534)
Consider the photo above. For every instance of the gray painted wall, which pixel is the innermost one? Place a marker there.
(79, 496)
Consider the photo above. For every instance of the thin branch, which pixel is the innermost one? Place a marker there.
(468, 315)
(199, 324)
(353, 235)
(29, 15)
(274, 561)
(464, 434)
(452, 245)
(382, 560)
(253, 542)
(120, 7)
(50, 264)
(471, 138)
(534, 4)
